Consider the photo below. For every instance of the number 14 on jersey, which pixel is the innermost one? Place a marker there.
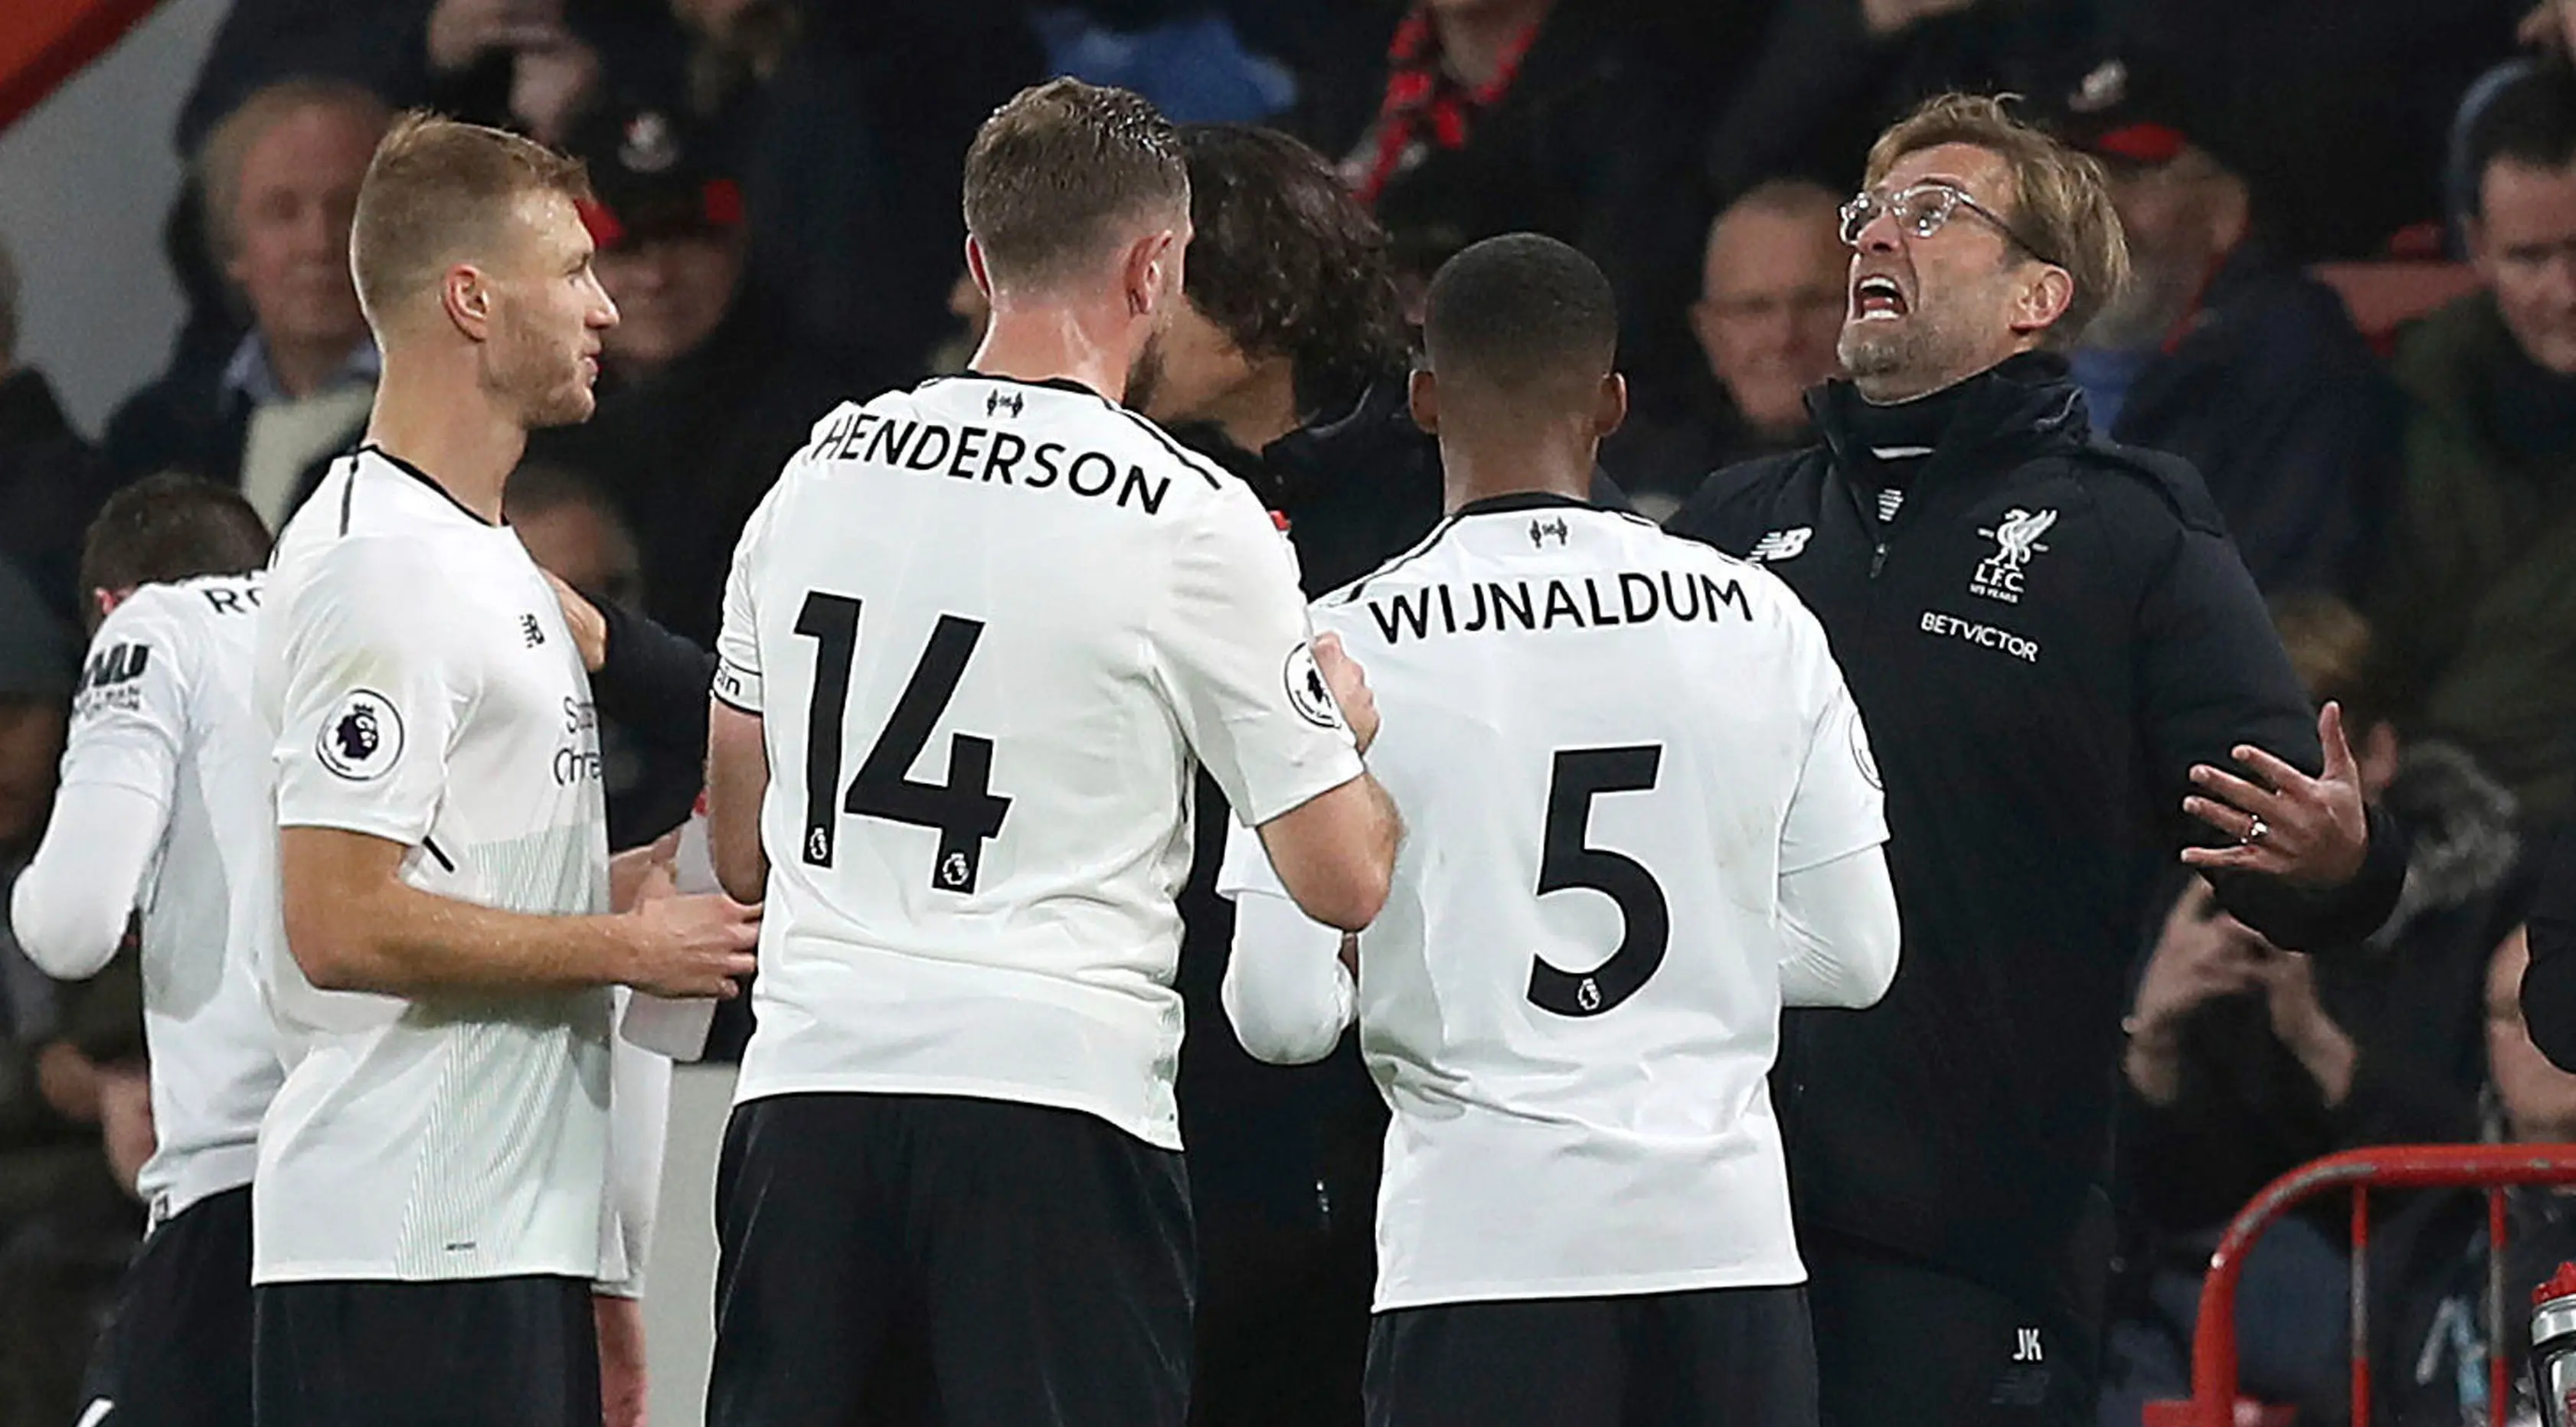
(964, 810)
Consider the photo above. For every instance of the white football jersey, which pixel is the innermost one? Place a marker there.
(420, 686)
(1608, 745)
(164, 709)
(993, 627)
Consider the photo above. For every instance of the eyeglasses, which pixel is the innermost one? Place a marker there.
(1922, 210)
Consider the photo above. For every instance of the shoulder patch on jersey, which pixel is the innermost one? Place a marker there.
(362, 737)
(1308, 694)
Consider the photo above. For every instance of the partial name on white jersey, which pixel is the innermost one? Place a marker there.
(1608, 746)
(420, 686)
(992, 628)
(164, 709)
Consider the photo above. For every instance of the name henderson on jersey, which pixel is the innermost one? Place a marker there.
(1493, 605)
(979, 453)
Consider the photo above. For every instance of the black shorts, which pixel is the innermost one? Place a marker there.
(177, 1351)
(475, 1352)
(975, 1263)
(1891, 1333)
(1727, 1357)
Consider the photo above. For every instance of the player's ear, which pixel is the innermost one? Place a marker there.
(1610, 408)
(1143, 273)
(1423, 395)
(975, 268)
(466, 296)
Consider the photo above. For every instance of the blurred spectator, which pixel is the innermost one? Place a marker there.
(1190, 63)
(51, 482)
(2432, 1277)
(2549, 33)
(1830, 74)
(844, 124)
(574, 532)
(2549, 991)
(2225, 354)
(279, 178)
(65, 1224)
(702, 397)
(1564, 119)
(1769, 312)
(2245, 1061)
(2477, 624)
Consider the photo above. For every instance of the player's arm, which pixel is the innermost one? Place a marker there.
(1287, 990)
(373, 693)
(737, 781)
(1235, 657)
(1837, 918)
(120, 771)
(737, 756)
(354, 924)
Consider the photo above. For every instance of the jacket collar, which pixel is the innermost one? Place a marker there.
(2000, 417)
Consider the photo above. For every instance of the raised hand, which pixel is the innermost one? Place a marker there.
(2313, 832)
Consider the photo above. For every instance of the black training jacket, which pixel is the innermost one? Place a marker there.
(2044, 640)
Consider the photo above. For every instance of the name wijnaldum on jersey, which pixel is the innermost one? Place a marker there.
(1497, 606)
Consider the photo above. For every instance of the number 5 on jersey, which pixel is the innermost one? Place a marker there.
(964, 810)
(1569, 861)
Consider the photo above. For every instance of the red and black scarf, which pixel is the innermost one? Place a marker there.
(1425, 107)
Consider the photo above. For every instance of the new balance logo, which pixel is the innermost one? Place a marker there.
(530, 630)
(1000, 399)
(1782, 544)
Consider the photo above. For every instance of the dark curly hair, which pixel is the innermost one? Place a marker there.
(1287, 263)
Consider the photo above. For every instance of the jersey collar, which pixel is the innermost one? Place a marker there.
(424, 477)
(1520, 500)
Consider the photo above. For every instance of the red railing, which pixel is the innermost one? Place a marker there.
(2490, 1167)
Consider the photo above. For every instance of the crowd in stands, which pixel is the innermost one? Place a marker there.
(777, 220)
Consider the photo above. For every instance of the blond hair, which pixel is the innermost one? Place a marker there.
(219, 158)
(1055, 171)
(436, 188)
(2060, 207)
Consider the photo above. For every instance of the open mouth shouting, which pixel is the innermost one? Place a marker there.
(1876, 297)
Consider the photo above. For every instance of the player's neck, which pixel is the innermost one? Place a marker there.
(451, 431)
(1261, 410)
(1037, 343)
(1472, 471)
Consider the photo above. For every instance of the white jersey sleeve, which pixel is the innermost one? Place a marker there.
(1286, 991)
(737, 677)
(373, 695)
(120, 770)
(1233, 651)
(1839, 807)
(130, 718)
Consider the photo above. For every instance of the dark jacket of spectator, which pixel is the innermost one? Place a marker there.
(1660, 460)
(1590, 142)
(196, 418)
(2411, 998)
(2275, 398)
(2035, 753)
(51, 483)
(2476, 602)
(689, 451)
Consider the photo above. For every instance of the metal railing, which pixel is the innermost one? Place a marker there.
(2493, 1168)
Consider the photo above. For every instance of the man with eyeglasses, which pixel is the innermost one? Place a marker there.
(2067, 677)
